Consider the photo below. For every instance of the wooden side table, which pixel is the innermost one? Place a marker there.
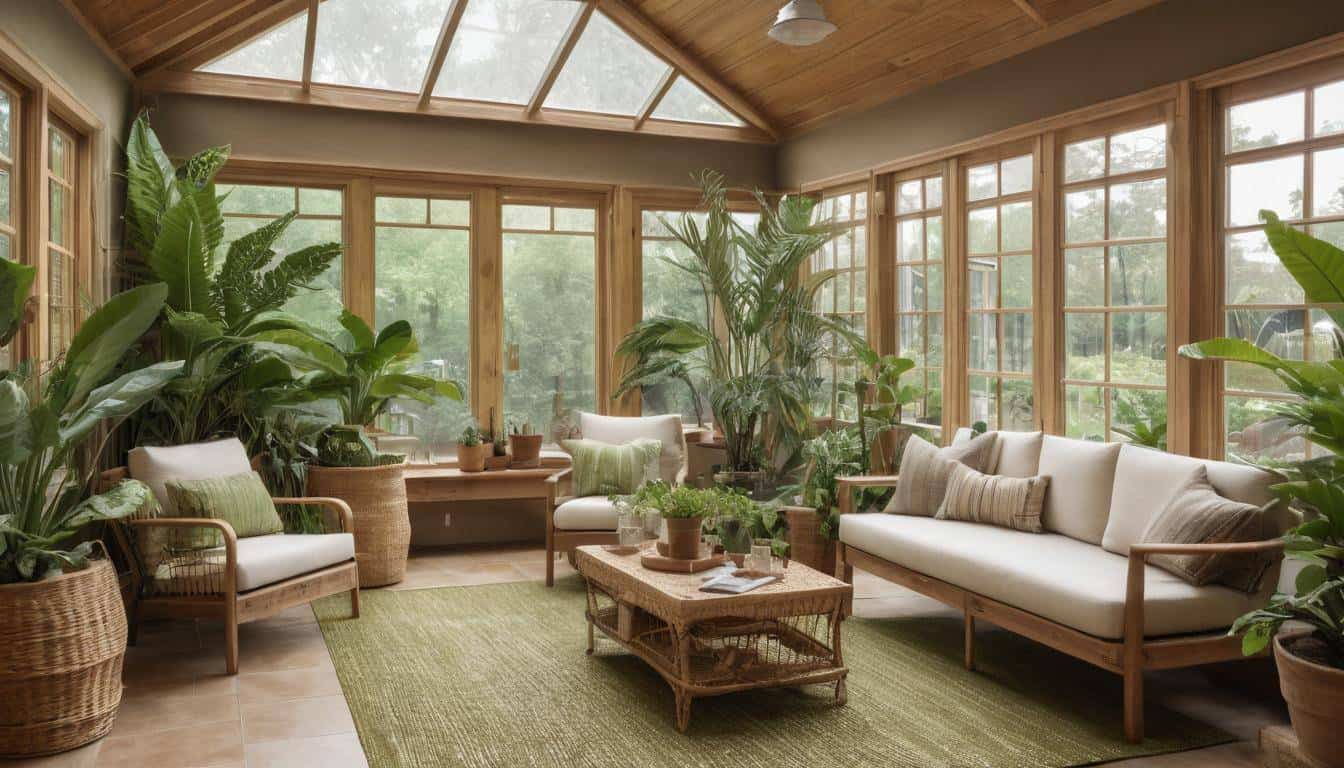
(436, 482)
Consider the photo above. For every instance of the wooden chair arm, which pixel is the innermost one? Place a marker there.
(845, 486)
(557, 486)
(796, 508)
(226, 532)
(343, 511)
(559, 476)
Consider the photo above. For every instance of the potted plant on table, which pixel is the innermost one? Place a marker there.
(1310, 660)
(64, 630)
(684, 510)
(524, 446)
(472, 449)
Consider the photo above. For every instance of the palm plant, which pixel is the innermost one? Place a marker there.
(759, 341)
(47, 422)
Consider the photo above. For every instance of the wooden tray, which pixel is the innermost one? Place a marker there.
(657, 562)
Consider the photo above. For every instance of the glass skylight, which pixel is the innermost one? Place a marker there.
(277, 54)
(606, 72)
(502, 47)
(685, 102)
(385, 45)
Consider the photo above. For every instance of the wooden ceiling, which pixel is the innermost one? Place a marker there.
(882, 49)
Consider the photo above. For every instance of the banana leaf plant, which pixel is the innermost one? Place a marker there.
(217, 303)
(759, 341)
(1315, 485)
(47, 422)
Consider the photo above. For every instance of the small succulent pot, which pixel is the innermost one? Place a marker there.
(683, 537)
(526, 450)
(471, 458)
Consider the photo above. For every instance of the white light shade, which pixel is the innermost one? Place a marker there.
(801, 22)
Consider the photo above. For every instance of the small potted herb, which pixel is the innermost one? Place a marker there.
(684, 509)
(472, 449)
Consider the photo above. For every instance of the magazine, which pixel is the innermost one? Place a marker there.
(729, 584)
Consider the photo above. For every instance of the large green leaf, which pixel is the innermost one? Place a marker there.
(1316, 265)
(396, 339)
(295, 272)
(119, 398)
(15, 282)
(358, 330)
(1238, 350)
(279, 320)
(182, 260)
(122, 500)
(414, 386)
(301, 350)
(149, 177)
(105, 336)
(16, 433)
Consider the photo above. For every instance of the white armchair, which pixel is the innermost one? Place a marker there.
(575, 521)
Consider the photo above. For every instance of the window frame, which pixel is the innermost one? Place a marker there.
(833, 361)
(923, 174)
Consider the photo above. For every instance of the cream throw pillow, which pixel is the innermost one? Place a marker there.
(925, 470)
(1008, 502)
(1198, 515)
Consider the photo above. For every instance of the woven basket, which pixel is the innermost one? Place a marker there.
(377, 496)
(62, 641)
(806, 544)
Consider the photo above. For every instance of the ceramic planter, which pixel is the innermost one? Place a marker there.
(683, 537)
(526, 450)
(1315, 696)
(471, 458)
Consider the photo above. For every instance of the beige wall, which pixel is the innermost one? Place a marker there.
(414, 142)
(1163, 44)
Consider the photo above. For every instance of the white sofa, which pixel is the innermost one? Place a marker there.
(575, 521)
(1083, 586)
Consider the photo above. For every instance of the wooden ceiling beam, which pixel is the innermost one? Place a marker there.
(561, 55)
(655, 98)
(201, 20)
(643, 30)
(1032, 13)
(252, 19)
(309, 44)
(446, 34)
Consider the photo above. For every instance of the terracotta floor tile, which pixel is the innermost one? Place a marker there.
(337, 751)
(273, 721)
(84, 757)
(287, 684)
(148, 713)
(194, 747)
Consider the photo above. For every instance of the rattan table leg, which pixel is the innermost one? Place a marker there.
(590, 634)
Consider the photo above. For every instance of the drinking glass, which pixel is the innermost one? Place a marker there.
(760, 555)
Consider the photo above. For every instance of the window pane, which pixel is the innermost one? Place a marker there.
(935, 273)
(910, 196)
(1019, 409)
(1085, 413)
(383, 45)
(670, 291)
(911, 289)
(1085, 346)
(686, 102)
(1327, 182)
(1255, 433)
(910, 240)
(983, 342)
(1016, 175)
(1017, 281)
(450, 213)
(912, 335)
(984, 230)
(1017, 342)
(575, 219)
(1266, 122)
(1138, 275)
(56, 154)
(537, 217)
(606, 72)
(1254, 273)
(549, 288)
(933, 231)
(5, 213)
(982, 182)
(983, 283)
(1279, 331)
(56, 214)
(1331, 232)
(1016, 226)
(6, 248)
(6, 118)
(259, 200)
(320, 202)
(502, 47)
(935, 329)
(1138, 410)
(1084, 216)
(984, 400)
(1085, 160)
(1139, 347)
(1084, 282)
(1139, 209)
(1272, 184)
(277, 54)
(1140, 150)
(1328, 109)
(933, 192)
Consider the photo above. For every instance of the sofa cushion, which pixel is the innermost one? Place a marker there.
(601, 468)
(925, 470)
(1011, 502)
(1198, 515)
(265, 560)
(1059, 578)
(1078, 500)
(156, 465)
(623, 429)
(1019, 453)
(241, 500)
(586, 513)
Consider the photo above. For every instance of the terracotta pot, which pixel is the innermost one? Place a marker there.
(683, 537)
(63, 642)
(377, 497)
(526, 449)
(1315, 696)
(806, 544)
(471, 458)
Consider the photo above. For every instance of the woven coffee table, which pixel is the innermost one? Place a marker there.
(784, 634)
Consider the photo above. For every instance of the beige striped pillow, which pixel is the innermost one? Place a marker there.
(925, 470)
(1008, 502)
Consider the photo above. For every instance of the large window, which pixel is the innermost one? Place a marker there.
(1283, 153)
(422, 274)
(1115, 284)
(550, 318)
(999, 254)
(9, 179)
(62, 268)
(249, 207)
(845, 297)
(919, 290)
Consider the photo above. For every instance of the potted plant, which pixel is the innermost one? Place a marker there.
(1311, 660)
(472, 449)
(64, 630)
(364, 373)
(524, 446)
(683, 510)
(813, 525)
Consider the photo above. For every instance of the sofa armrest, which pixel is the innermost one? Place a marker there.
(230, 539)
(342, 509)
(558, 486)
(845, 487)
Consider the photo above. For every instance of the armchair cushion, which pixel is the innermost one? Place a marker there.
(269, 559)
(242, 500)
(586, 513)
(601, 468)
(156, 465)
(623, 429)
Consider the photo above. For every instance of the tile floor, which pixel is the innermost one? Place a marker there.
(180, 710)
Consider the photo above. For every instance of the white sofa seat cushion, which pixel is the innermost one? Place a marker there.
(618, 430)
(156, 465)
(266, 560)
(1074, 583)
(586, 513)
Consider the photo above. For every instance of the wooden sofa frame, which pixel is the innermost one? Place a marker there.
(1129, 657)
(227, 603)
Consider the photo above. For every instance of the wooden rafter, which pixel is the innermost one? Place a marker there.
(248, 20)
(655, 98)
(643, 30)
(560, 56)
(309, 44)
(446, 34)
(1032, 13)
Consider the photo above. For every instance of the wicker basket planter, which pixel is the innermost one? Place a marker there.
(63, 641)
(377, 496)
(471, 458)
(806, 544)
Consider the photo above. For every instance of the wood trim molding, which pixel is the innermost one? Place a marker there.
(207, 41)
(309, 44)
(1278, 61)
(655, 98)
(558, 59)
(446, 34)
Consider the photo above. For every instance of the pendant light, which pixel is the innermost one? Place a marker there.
(801, 22)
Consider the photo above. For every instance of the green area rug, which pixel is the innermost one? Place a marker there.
(497, 676)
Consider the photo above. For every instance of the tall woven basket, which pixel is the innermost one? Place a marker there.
(377, 496)
(806, 544)
(62, 641)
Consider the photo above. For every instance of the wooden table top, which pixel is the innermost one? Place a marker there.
(416, 472)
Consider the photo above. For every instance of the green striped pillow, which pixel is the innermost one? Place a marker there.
(601, 469)
(241, 500)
